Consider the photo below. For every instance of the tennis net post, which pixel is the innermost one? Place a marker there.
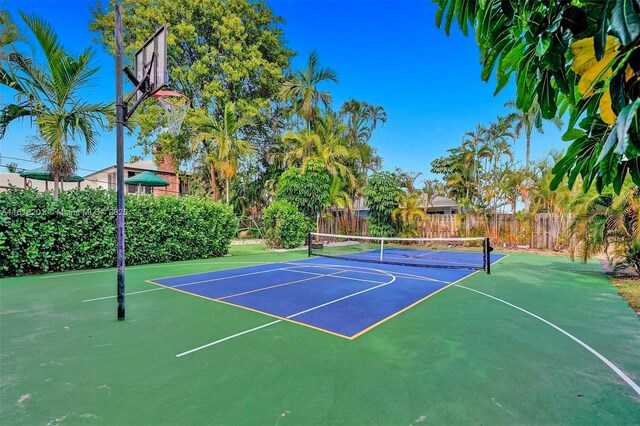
(487, 255)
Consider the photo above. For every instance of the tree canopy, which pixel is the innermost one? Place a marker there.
(580, 57)
(218, 52)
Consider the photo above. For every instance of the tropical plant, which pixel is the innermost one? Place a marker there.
(361, 120)
(9, 36)
(49, 95)
(577, 56)
(608, 223)
(301, 88)
(218, 138)
(410, 212)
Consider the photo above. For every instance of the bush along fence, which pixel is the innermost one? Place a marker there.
(77, 231)
(546, 231)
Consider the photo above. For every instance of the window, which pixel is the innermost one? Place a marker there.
(184, 187)
(111, 181)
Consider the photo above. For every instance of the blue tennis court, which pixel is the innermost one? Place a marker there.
(341, 297)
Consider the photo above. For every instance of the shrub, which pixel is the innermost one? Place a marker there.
(285, 226)
(78, 231)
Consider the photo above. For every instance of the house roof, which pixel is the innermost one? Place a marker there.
(439, 201)
(138, 166)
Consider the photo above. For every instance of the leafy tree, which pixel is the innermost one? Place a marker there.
(223, 149)
(49, 96)
(230, 50)
(451, 169)
(301, 88)
(581, 56)
(308, 190)
(381, 197)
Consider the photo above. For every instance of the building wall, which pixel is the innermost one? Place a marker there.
(167, 165)
(14, 179)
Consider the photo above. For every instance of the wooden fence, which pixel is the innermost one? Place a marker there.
(545, 231)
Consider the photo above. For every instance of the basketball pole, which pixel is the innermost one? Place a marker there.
(120, 118)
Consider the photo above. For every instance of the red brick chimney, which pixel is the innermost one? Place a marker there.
(166, 164)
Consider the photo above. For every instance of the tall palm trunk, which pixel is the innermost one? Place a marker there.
(527, 165)
(214, 182)
(56, 180)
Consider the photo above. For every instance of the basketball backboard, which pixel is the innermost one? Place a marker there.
(151, 59)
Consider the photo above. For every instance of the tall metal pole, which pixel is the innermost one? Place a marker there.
(120, 114)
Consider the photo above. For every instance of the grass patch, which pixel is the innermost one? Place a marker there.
(629, 288)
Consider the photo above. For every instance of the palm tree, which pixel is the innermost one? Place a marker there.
(608, 223)
(223, 149)
(361, 119)
(49, 95)
(333, 150)
(299, 147)
(474, 148)
(302, 89)
(410, 212)
(431, 188)
(326, 143)
(527, 121)
(9, 35)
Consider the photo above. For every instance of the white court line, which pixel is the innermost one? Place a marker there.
(602, 358)
(219, 279)
(366, 271)
(393, 278)
(126, 294)
(189, 283)
(227, 338)
(136, 267)
(344, 278)
(256, 290)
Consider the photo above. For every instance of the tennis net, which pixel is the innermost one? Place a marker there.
(456, 253)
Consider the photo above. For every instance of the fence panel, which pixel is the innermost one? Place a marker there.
(542, 231)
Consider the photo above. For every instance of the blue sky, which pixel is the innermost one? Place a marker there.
(386, 52)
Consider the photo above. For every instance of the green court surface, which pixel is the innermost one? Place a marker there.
(459, 357)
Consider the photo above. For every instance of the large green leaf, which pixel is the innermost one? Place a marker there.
(600, 39)
(547, 96)
(572, 134)
(625, 23)
(543, 45)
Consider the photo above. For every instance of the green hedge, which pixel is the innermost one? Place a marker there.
(77, 231)
(285, 226)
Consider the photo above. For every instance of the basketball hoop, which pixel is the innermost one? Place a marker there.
(176, 106)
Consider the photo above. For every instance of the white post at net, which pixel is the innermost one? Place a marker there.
(381, 248)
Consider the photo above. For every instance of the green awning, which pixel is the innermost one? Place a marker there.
(146, 179)
(44, 174)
